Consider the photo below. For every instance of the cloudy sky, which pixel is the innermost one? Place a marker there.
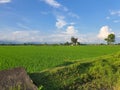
(56, 21)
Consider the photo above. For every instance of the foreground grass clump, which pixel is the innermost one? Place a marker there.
(102, 73)
(37, 58)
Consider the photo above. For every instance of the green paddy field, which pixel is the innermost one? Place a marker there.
(87, 67)
(37, 58)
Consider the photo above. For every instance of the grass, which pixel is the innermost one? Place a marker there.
(66, 67)
(38, 58)
(102, 73)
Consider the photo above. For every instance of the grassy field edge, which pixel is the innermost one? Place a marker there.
(102, 73)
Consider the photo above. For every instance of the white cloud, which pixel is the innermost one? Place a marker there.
(118, 36)
(37, 36)
(5, 1)
(72, 23)
(107, 17)
(73, 15)
(104, 32)
(88, 38)
(116, 21)
(61, 8)
(20, 25)
(65, 8)
(71, 30)
(60, 22)
(117, 12)
(53, 3)
(64, 36)
(20, 36)
(61, 13)
(16, 35)
(114, 14)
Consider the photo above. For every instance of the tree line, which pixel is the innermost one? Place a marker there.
(74, 41)
(110, 40)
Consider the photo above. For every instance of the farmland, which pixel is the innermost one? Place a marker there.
(38, 58)
(103, 73)
(87, 67)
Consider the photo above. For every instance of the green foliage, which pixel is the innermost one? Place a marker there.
(110, 39)
(102, 73)
(74, 40)
(67, 43)
(40, 87)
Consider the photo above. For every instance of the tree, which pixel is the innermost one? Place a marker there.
(110, 39)
(67, 43)
(74, 40)
(78, 43)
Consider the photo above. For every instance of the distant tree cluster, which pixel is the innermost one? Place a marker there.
(74, 41)
(110, 39)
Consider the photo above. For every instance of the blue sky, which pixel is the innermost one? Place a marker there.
(55, 21)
